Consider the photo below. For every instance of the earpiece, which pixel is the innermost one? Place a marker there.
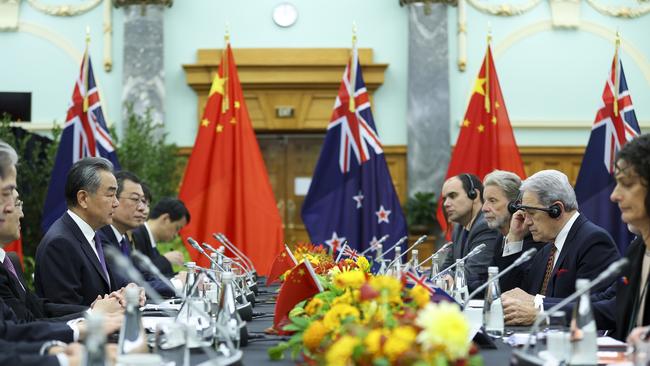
(471, 194)
(554, 211)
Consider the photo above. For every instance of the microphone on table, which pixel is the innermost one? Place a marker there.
(248, 292)
(524, 257)
(399, 242)
(145, 261)
(246, 270)
(445, 246)
(379, 242)
(238, 253)
(245, 309)
(131, 272)
(612, 270)
(417, 242)
(472, 253)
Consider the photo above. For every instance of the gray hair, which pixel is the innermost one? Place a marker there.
(551, 186)
(508, 182)
(8, 158)
(84, 175)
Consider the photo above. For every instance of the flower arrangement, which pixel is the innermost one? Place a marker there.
(363, 319)
(316, 255)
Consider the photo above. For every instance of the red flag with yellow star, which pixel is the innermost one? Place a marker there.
(301, 283)
(226, 187)
(282, 263)
(486, 141)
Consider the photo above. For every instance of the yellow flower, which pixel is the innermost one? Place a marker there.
(420, 295)
(337, 313)
(400, 341)
(389, 288)
(352, 279)
(314, 334)
(443, 327)
(314, 306)
(363, 263)
(374, 340)
(340, 353)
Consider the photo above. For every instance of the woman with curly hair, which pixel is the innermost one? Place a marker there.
(632, 175)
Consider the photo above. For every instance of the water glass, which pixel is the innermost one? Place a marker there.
(558, 337)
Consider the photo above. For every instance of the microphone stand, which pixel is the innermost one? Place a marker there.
(445, 246)
(239, 254)
(417, 242)
(524, 257)
(474, 252)
(613, 269)
(250, 294)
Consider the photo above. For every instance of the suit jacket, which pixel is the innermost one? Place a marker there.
(25, 354)
(509, 282)
(67, 268)
(108, 238)
(587, 251)
(475, 266)
(27, 306)
(626, 302)
(34, 331)
(142, 242)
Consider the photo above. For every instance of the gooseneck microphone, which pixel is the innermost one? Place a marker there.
(145, 261)
(472, 253)
(524, 257)
(417, 242)
(238, 253)
(380, 241)
(399, 242)
(445, 246)
(612, 270)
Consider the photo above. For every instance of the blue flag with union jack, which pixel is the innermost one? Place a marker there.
(84, 134)
(614, 126)
(351, 197)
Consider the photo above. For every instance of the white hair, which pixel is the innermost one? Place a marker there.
(551, 186)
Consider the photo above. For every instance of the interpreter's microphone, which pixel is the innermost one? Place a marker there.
(251, 277)
(612, 270)
(417, 242)
(474, 252)
(248, 291)
(399, 242)
(445, 246)
(145, 261)
(379, 242)
(524, 257)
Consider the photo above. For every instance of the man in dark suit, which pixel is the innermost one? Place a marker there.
(499, 189)
(165, 221)
(576, 248)
(70, 263)
(462, 200)
(127, 216)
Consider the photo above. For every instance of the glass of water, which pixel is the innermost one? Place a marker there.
(558, 337)
(171, 343)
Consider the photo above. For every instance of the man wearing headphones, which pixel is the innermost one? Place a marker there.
(576, 248)
(462, 200)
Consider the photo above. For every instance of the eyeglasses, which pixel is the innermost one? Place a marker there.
(138, 201)
(18, 203)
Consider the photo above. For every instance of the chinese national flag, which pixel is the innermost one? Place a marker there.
(485, 141)
(282, 263)
(226, 187)
(301, 283)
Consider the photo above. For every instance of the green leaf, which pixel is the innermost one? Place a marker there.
(291, 328)
(476, 360)
(381, 362)
(277, 353)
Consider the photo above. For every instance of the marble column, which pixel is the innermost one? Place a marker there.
(428, 99)
(143, 81)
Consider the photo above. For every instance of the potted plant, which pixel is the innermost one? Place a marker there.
(420, 212)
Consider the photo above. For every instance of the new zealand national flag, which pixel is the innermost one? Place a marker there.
(351, 196)
(614, 126)
(85, 134)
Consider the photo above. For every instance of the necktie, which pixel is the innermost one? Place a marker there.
(125, 246)
(549, 269)
(11, 269)
(100, 254)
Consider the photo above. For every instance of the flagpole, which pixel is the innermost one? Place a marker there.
(616, 72)
(224, 56)
(487, 70)
(353, 67)
(84, 74)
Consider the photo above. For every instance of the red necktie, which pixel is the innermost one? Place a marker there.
(549, 269)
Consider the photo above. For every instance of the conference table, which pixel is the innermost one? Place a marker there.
(255, 353)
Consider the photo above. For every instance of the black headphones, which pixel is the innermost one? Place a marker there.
(471, 193)
(554, 211)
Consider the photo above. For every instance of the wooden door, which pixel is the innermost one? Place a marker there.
(290, 161)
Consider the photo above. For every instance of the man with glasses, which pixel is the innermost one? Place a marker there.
(130, 214)
(576, 248)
